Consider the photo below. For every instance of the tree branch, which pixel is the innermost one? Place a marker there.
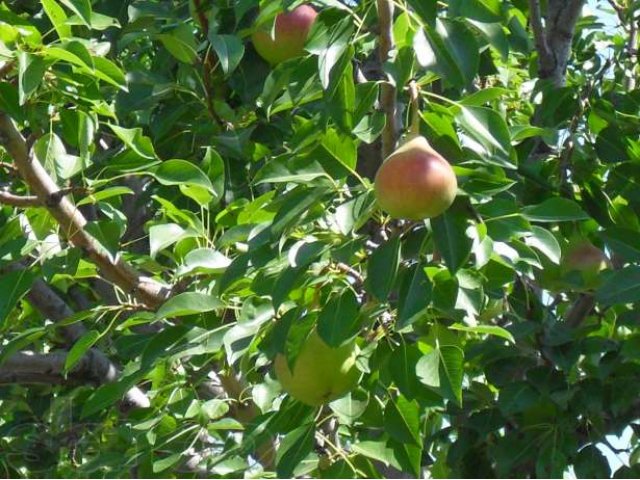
(19, 201)
(33, 367)
(535, 20)
(388, 91)
(580, 310)
(49, 303)
(72, 222)
(562, 16)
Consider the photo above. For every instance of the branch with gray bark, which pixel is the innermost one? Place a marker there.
(48, 302)
(72, 222)
(553, 39)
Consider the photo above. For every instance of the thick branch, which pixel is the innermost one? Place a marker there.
(49, 368)
(580, 310)
(49, 303)
(561, 19)
(388, 91)
(72, 222)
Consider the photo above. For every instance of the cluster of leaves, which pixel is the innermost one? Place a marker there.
(243, 187)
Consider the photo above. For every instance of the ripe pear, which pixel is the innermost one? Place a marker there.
(584, 257)
(290, 34)
(320, 373)
(415, 182)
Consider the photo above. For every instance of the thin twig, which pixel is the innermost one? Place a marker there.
(10, 167)
(344, 268)
(19, 201)
(535, 19)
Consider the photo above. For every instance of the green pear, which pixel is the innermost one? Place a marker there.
(415, 182)
(320, 373)
(290, 34)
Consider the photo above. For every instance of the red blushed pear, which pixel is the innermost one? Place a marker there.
(290, 34)
(415, 182)
(587, 259)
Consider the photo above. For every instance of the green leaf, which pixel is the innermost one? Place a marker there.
(13, 285)
(383, 268)
(163, 235)
(82, 345)
(215, 408)
(481, 97)
(452, 358)
(31, 71)
(427, 9)
(414, 298)
(98, 21)
(622, 286)
(166, 462)
(82, 8)
(495, 35)
(108, 71)
(516, 397)
(544, 241)
(229, 49)
(203, 260)
(107, 395)
(338, 319)
(449, 233)
(293, 449)
(488, 128)
(213, 165)
(107, 233)
(487, 11)
(377, 450)
(53, 155)
(329, 39)
(57, 17)
(180, 43)
(450, 49)
(555, 209)
(351, 406)
(402, 420)
(591, 463)
(402, 367)
(20, 341)
(135, 140)
(193, 182)
(188, 303)
(484, 330)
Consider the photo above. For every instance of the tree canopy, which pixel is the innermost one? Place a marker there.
(187, 208)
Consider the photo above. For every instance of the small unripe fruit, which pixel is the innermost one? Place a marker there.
(320, 373)
(290, 34)
(415, 182)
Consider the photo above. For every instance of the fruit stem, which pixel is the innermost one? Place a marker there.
(414, 95)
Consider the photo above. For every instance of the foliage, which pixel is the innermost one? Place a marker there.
(248, 191)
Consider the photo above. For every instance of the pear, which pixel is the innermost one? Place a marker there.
(415, 182)
(290, 35)
(587, 259)
(320, 373)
